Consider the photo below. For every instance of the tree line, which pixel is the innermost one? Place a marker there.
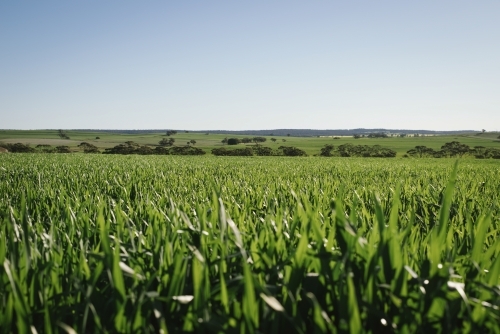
(454, 149)
(166, 147)
(131, 147)
(246, 140)
(22, 148)
(259, 150)
(350, 150)
(128, 147)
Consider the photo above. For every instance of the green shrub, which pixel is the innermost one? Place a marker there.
(291, 151)
(247, 151)
(233, 141)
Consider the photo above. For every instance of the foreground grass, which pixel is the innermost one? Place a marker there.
(171, 244)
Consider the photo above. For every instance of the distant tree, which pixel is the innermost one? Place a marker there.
(350, 150)
(402, 135)
(258, 140)
(246, 140)
(421, 152)
(45, 148)
(479, 152)
(346, 150)
(144, 150)
(88, 148)
(129, 147)
(17, 148)
(283, 140)
(166, 142)
(186, 150)
(247, 151)
(288, 135)
(192, 141)
(336, 137)
(273, 140)
(62, 134)
(263, 151)
(292, 151)
(357, 136)
(171, 132)
(455, 148)
(378, 135)
(161, 150)
(186, 131)
(62, 149)
(326, 151)
(483, 130)
(97, 137)
(493, 153)
(224, 141)
(233, 141)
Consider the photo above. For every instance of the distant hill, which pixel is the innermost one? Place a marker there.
(296, 132)
(337, 132)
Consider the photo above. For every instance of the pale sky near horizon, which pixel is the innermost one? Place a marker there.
(238, 65)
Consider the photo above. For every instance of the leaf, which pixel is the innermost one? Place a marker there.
(272, 302)
(183, 299)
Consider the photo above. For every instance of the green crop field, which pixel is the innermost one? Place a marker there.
(93, 243)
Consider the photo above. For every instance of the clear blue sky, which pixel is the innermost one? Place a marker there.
(250, 64)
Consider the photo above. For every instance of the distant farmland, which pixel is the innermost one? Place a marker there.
(207, 142)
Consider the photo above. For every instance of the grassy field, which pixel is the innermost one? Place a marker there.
(170, 244)
(311, 145)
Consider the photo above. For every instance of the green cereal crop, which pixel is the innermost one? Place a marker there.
(241, 245)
